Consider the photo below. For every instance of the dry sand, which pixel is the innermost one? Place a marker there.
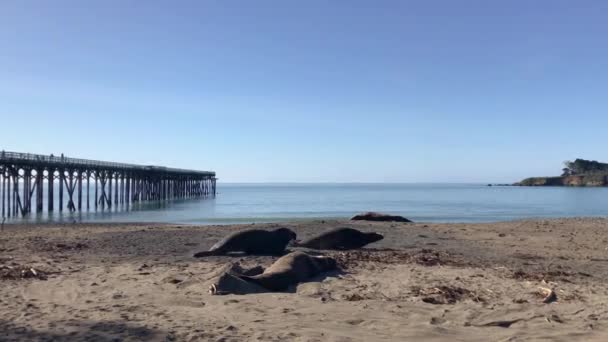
(431, 282)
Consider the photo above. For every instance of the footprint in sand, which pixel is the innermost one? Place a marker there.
(355, 321)
(437, 320)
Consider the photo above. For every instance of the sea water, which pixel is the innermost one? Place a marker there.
(248, 203)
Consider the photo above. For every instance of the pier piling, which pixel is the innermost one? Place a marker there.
(24, 177)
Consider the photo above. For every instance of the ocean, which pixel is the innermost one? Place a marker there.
(248, 203)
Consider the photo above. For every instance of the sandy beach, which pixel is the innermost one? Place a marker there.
(431, 282)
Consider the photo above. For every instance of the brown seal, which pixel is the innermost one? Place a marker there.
(372, 216)
(341, 239)
(253, 242)
(291, 269)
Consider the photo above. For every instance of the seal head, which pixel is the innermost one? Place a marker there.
(373, 237)
(285, 234)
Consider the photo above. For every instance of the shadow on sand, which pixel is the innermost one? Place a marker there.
(79, 331)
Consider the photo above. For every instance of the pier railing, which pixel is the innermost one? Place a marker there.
(6, 156)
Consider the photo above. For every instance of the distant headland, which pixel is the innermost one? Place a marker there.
(580, 172)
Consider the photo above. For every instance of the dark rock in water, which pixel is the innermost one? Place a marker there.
(372, 216)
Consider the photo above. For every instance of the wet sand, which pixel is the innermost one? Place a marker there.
(432, 282)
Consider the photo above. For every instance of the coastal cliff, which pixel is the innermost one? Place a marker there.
(578, 173)
(581, 180)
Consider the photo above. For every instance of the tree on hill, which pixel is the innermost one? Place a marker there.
(582, 166)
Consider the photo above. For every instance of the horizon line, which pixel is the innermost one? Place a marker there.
(362, 183)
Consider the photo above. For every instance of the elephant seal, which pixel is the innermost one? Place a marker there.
(253, 241)
(372, 216)
(291, 269)
(341, 239)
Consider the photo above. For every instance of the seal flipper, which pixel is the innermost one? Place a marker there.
(272, 282)
(206, 253)
(229, 283)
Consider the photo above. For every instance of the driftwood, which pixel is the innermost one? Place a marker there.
(22, 272)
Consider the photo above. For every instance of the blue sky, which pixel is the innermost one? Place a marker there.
(310, 91)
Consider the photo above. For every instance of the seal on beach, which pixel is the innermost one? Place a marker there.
(372, 216)
(253, 241)
(341, 239)
(291, 269)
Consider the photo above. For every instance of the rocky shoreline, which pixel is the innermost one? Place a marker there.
(580, 172)
(578, 180)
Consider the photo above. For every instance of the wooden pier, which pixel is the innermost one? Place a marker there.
(24, 177)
